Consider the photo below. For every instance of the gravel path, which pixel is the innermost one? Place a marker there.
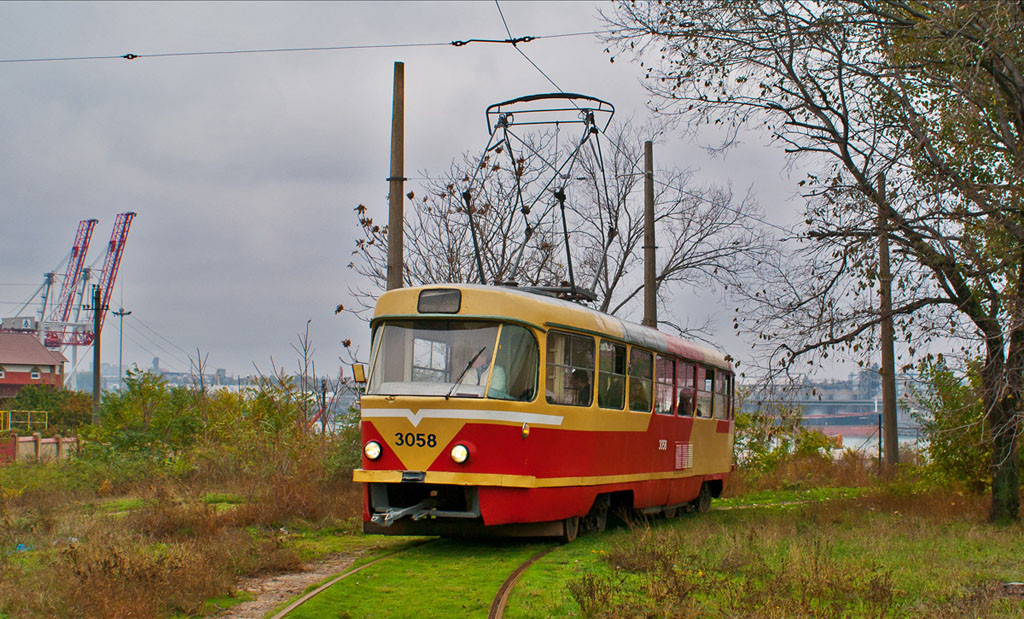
(274, 590)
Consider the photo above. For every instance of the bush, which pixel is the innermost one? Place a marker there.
(68, 410)
(958, 444)
(170, 548)
(765, 439)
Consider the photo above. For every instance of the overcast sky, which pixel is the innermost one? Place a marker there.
(244, 169)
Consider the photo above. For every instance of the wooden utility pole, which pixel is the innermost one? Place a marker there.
(97, 378)
(650, 291)
(397, 180)
(888, 371)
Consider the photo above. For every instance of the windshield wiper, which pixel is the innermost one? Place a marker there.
(464, 370)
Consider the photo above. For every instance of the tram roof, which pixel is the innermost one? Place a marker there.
(543, 312)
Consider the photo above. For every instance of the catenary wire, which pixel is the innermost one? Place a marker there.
(153, 342)
(522, 53)
(152, 330)
(285, 50)
(166, 353)
(634, 164)
(171, 368)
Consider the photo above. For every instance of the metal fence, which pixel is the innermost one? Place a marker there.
(29, 421)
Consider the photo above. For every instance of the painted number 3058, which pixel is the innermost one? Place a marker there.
(415, 440)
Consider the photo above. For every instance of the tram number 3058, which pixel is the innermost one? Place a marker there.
(415, 440)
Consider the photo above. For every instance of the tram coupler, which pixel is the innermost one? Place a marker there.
(417, 511)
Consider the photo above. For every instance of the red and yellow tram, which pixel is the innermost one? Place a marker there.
(497, 410)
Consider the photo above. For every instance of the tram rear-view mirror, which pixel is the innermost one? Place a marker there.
(359, 372)
(439, 301)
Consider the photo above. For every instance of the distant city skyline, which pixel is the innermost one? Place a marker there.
(244, 169)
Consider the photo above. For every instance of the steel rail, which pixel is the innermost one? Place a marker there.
(327, 585)
(497, 610)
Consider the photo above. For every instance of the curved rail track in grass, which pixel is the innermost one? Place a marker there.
(498, 603)
(501, 598)
(497, 608)
(284, 612)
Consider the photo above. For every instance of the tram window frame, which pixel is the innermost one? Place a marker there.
(641, 362)
(611, 378)
(687, 390)
(512, 350)
(578, 346)
(705, 392)
(721, 395)
(664, 391)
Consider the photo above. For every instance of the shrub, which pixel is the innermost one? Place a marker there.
(68, 410)
(766, 439)
(957, 446)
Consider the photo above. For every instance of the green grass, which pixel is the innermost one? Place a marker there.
(120, 506)
(313, 544)
(790, 495)
(227, 498)
(443, 578)
(542, 591)
(217, 604)
(850, 558)
(862, 553)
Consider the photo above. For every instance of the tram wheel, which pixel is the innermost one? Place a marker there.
(570, 529)
(597, 519)
(703, 501)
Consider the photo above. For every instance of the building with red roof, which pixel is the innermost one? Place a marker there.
(25, 361)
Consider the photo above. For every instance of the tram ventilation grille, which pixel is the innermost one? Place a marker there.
(684, 456)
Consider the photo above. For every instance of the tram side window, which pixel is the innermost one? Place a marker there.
(641, 374)
(687, 392)
(611, 381)
(515, 366)
(705, 384)
(570, 369)
(664, 388)
(721, 395)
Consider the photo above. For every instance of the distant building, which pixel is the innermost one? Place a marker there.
(854, 404)
(25, 361)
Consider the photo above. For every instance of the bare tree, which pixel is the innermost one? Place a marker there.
(307, 373)
(928, 95)
(704, 232)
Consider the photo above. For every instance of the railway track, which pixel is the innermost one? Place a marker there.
(501, 598)
(497, 606)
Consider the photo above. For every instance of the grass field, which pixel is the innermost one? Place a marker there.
(794, 546)
(821, 552)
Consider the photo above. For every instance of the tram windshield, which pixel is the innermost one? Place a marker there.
(465, 359)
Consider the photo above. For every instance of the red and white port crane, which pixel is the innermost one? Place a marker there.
(58, 332)
(62, 309)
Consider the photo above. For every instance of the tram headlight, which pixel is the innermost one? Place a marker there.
(372, 450)
(460, 453)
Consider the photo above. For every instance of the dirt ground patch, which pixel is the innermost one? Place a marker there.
(272, 590)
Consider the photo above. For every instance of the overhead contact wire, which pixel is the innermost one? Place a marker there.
(514, 41)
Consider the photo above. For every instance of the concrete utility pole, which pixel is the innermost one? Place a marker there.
(120, 313)
(888, 371)
(397, 179)
(97, 378)
(650, 292)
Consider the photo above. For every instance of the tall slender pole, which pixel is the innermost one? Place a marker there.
(397, 180)
(120, 313)
(650, 292)
(890, 436)
(97, 379)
